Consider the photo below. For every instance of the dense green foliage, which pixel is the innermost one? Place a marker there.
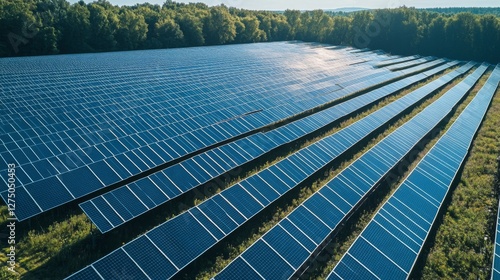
(37, 27)
(456, 10)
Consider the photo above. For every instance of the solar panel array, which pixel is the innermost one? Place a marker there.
(123, 204)
(160, 123)
(184, 238)
(81, 123)
(280, 252)
(389, 245)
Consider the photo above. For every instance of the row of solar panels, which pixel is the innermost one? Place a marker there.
(326, 209)
(179, 92)
(397, 60)
(114, 160)
(18, 129)
(390, 244)
(121, 205)
(181, 240)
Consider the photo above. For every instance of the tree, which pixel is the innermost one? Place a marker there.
(192, 28)
(265, 24)
(151, 14)
(360, 33)
(461, 30)
(76, 30)
(339, 35)
(488, 41)
(35, 27)
(280, 29)
(250, 32)
(132, 30)
(435, 41)
(169, 33)
(18, 26)
(45, 42)
(293, 19)
(319, 26)
(103, 24)
(395, 31)
(219, 27)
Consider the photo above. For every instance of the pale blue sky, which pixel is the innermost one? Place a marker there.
(324, 4)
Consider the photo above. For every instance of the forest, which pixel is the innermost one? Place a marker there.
(456, 10)
(43, 27)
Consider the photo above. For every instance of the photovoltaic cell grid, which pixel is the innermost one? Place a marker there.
(397, 60)
(105, 125)
(316, 218)
(111, 140)
(185, 237)
(127, 202)
(389, 245)
(408, 63)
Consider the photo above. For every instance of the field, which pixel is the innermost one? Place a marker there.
(268, 160)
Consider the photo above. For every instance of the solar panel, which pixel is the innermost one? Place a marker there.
(82, 117)
(389, 245)
(97, 112)
(396, 60)
(224, 217)
(323, 212)
(415, 62)
(183, 175)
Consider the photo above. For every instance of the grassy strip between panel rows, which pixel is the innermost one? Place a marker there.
(235, 247)
(341, 243)
(55, 249)
(463, 244)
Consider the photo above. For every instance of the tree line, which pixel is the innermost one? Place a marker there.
(476, 10)
(40, 27)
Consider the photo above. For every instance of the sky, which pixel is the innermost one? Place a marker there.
(325, 4)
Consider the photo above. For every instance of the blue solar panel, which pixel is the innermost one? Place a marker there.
(117, 205)
(220, 212)
(150, 109)
(175, 241)
(218, 216)
(390, 244)
(323, 212)
(243, 201)
(243, 271)
(86, 273)
(149, 258)
(49, 199)
(201, 171)
(119, 266)
(265, 256)
(290, 249)
(203, 219)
